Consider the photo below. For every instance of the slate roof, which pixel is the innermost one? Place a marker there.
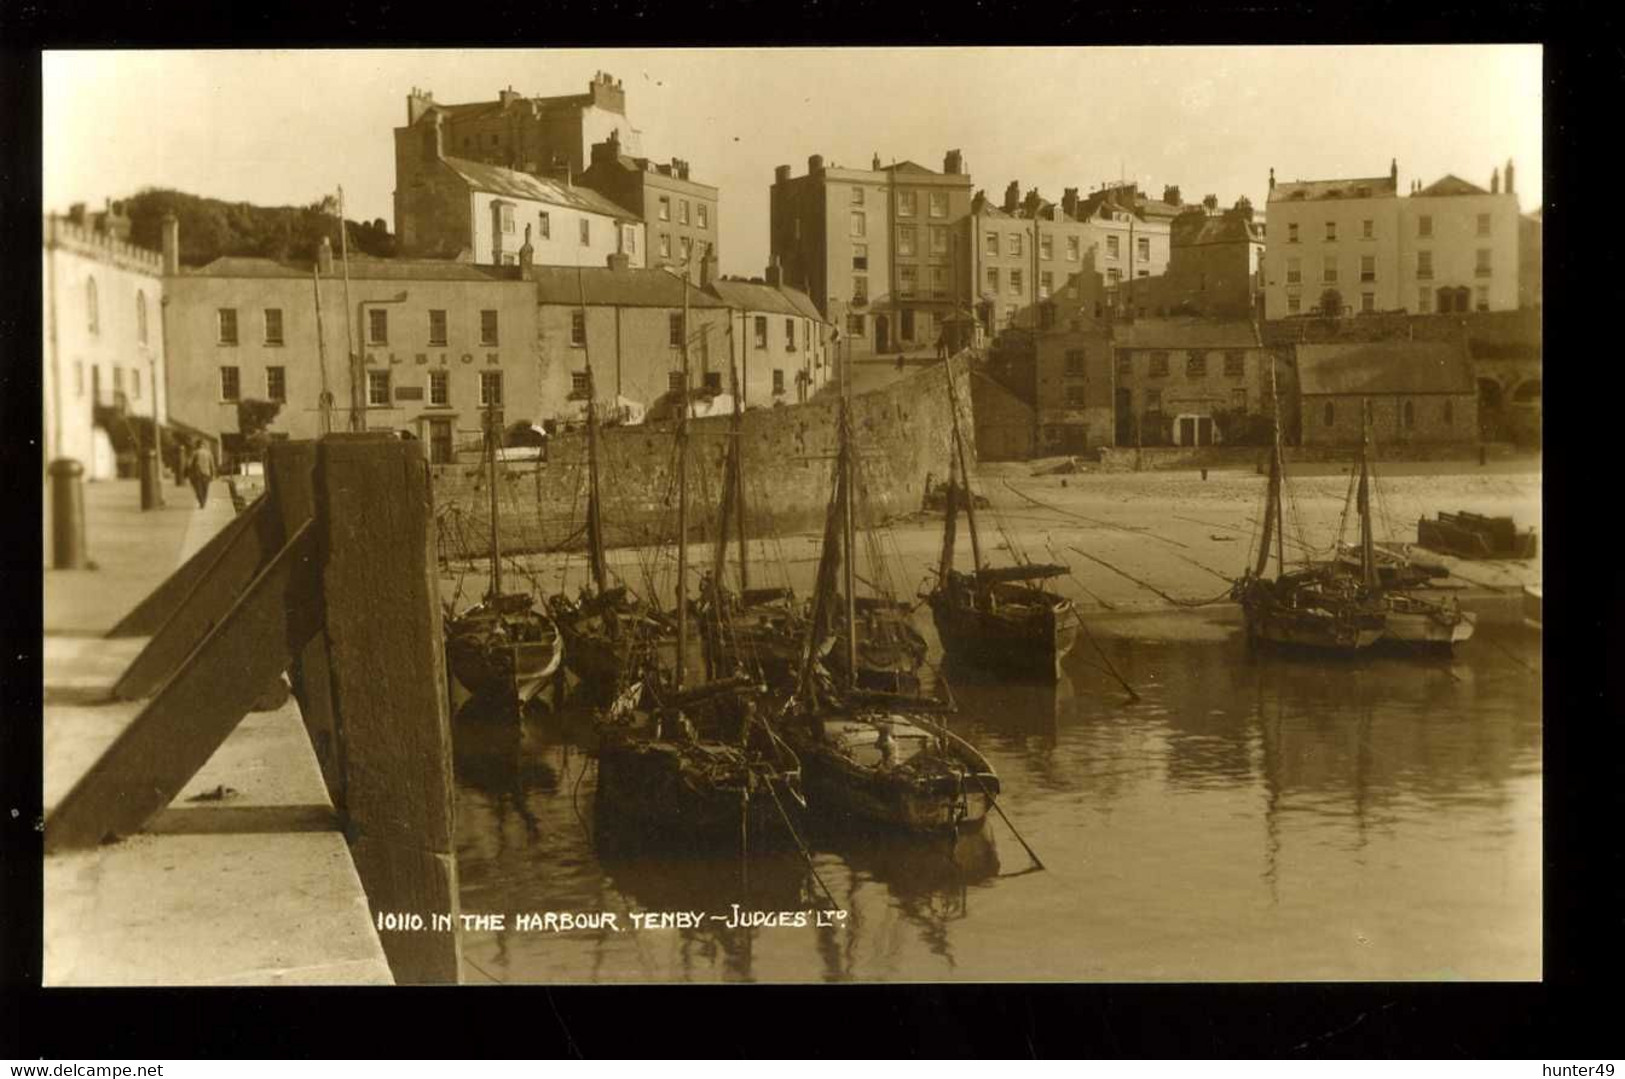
(522, 185)
(362, 267)
(632, 287)
(1211, 229)
(1182, 333)
(1375, 187)
(1384, 367)
(756, 296)
(1447, 185)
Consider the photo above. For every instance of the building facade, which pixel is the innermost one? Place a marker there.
(679, 215)
(874, 248)
(1191, 382)
(1418, 392)
(103, 321)
(1215, 266)
(1074, 389)
(781, 344)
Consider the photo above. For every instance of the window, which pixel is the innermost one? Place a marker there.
(507, 216)
(939, 239)
(586, 232)
(1114, 276)
(1238, 399)
(665, 245)
(273, 325)
(905, 319)
(1159, 365)
(141, 317)
(1076, 396)
(1424, 300)
(378, 389)
(226, 326)
(760, 331)
(1331, 230)
(1328, 269)
(674, 329)
(1424, 265)
(905, 239)
(1073, 249)
(1153, 400)
(1143, 244)
(682, 211)
(993, 279)
(688, 250)
(1046, 281)
(544, 222)
(1235, 363)
(1046, 246)
(629, 240)
(93, 307)
(439, 388)
(1074, 363)
(858, 226)
(860, 256)
(789, 335)
(1292, 232)
(276, 383)
(1368, 229)
(712, 381)
(1015, 283)
(857, 196)
(1125, 362)
(578, 385)
(1483, 224)
(1410, 414)
(1195, 363)
(1013, 244)
(992, 243)
(1481, 268)
(1328, 414)
(860, 290)
(1424, 225)
(118, 383)
(1368, 302)
(664, 213)
(939, 204)
(1294, 303)
(704, 214)
(674, 382)
(437, 327)
(1294, 270)
(908, 280)
(488, 327)
(778, 382)
(490, 389)
(905, 204)
(578, 327)
(377, 326)
(1112, 246)
(1368, 267)
(855, 325)
(135, 383)
(1481, 298)
(939, 281)
(1449, 412)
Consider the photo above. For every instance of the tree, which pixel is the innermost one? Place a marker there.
(211, 228)
(253, 417)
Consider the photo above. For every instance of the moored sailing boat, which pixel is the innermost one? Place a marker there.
(507, 645)
(995, 617)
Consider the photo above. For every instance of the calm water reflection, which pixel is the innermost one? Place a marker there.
(1247, 818)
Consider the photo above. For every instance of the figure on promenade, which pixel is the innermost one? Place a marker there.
(200, 470)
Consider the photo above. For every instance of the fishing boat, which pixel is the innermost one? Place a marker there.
(1474, 536)
(1000, 618)
(506, 646)
(875, 756)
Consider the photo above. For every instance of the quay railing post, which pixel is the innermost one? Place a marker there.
(67, 514)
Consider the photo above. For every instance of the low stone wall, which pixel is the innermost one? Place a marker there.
(1171, 458)
(902, 436)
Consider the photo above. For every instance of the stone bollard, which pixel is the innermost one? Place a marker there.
(1204, 474)
(148, 470)
(67, 514)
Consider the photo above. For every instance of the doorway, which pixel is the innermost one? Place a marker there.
(440, 451)
(882, 333)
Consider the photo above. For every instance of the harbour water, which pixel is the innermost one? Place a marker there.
(1251, 817)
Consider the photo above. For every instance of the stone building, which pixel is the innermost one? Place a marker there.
(454, 207)
(1356, 246)
(1005, 423)
(873, 247)
(782, 345)
(1074, 389)
(679, 215)
(1215, 266)
(103, 321)
(1419, 392)
(1191, 382)
(1531, 228)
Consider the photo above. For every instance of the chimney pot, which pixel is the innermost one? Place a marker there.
(1510, 190)
(620, 261)
(1012, 197)
(171, 245)
(815, 163)
(874, 166)
(781, 174)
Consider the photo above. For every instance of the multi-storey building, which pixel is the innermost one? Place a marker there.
(1183, 381)
(679, 215)
(104, 335)
(778, 340)
(1074, 388)
(451, 207)
(1340, 247)
(1215, 266)
(874, 247)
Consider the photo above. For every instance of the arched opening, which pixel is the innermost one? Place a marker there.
(882, 333)
(1491, 410)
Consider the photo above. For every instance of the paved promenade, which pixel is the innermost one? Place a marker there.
(245, 878)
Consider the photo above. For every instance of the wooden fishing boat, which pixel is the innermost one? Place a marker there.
(1472, 535)
(999, 618)
(507, 646)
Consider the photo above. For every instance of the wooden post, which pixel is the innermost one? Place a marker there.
(380, 589)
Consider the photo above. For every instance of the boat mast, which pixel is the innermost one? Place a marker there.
(1277, 478)
(964, 467)
(738, 468)
(491, 463)
(1368, 554)
(950, 512)
(847, 529)
(595, 519)
(682, 503)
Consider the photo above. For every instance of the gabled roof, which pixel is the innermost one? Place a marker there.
(757, 296)
(632, 287)
(1449, 185)
(1385, 367)
(1368, 187)
(1191, 332)
(909, 166)
(1211, 229)
(362, 267)
(522, 185)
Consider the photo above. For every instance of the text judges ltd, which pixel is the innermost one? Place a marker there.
(566, 921)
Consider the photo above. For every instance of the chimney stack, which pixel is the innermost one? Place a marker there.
(874, 166)
(815, 164)
(1272, 177)
(508, 96)
(1170, 194)
(1495, 181)
(775, 272)
(1012, 197)
(1393, 172)
(1510, 189)
(76, 214)
(171, 245)
(781, 174)
(953, 163)
(434, 139)
(1031, 203)
(1069, 201)
(527, 255)
(708, 267)
(620, 260)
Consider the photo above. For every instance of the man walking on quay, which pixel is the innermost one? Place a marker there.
(201, 471)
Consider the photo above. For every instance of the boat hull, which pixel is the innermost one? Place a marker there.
(1314, 630)
(701, 794)
(1428, 628)
(494, 665)
(1031, 644)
